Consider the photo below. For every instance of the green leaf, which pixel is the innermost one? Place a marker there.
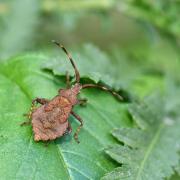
(159, 55)
(152, 151)
(175, 177)
(94, 64)
(178, 168)
(91, 62)
(21, 80)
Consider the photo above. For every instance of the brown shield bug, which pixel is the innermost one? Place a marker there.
(50, 120)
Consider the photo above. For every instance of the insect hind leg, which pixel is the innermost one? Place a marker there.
(80, 126)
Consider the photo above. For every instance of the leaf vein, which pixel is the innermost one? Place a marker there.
(149, 149)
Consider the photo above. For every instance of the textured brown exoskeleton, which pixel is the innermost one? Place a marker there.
(50, 120)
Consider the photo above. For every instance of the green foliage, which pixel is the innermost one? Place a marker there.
(162, 13)
(178, 168)
(90, 61)
(96, 65)
(150, 152)
(117, 69)
(145, 142)
(161, 58)
(77, 5)
(21, 80)
(18, 26)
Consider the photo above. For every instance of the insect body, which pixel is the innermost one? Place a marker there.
(50, 120)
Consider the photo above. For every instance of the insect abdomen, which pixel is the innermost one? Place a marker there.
(51, 120)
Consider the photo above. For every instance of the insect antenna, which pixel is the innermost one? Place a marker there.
(71, 60)
(103, 88)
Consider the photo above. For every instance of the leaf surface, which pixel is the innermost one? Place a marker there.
(96, 65)
(21, 80)
(150, 152)
(91, 62)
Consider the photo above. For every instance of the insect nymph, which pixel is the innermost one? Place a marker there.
(50, 120)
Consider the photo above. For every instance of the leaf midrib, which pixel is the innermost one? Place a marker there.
(63, 162)
(149, 150)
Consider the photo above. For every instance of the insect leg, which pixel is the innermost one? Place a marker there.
(46, 143)
(28, 122)
(40, 101)
(34, 102)
(69, 129)
(25, 123)
(103, 88)
(29, 115)
(82, 102)
(78, 129)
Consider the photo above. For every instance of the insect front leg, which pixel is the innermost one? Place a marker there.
(40, 101)
(34, 102)
(80, 126)
(82, 102)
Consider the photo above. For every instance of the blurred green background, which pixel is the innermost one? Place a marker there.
(140, 30)
(134, 33)
(134, 26)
